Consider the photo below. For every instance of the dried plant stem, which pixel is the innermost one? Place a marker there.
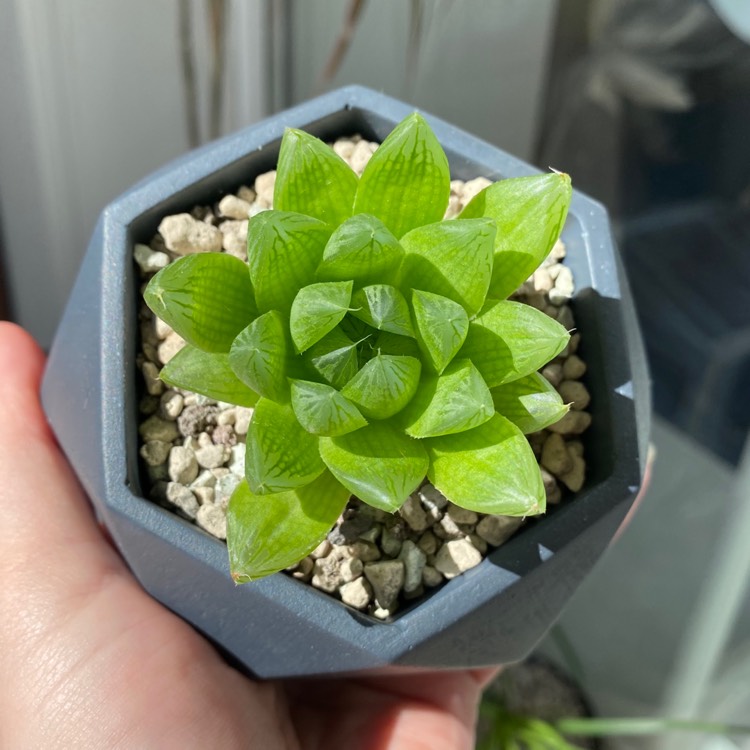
(343, 42)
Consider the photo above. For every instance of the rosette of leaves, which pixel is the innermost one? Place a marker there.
(374, 341)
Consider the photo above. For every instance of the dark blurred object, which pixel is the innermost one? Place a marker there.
(647, 108)
(689, 267)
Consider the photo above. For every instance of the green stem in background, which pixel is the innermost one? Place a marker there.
(507, 730)
(641, 726)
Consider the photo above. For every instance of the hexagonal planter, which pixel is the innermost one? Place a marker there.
(278, 626)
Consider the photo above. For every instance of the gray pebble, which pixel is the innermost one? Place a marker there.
(573, 368)
(461, 515)
(576, 476)
(565, 318)
(356, 593)
(322, 550)
(536, 441)
(574, 392)
(169, 347)
(365, 551)
(371, 535)
(184, 235)
(431, 577)
(232, 207)
(303, 570)
(225, 487)
(237, 459)
(264, 185)
(498, 529)
(213, 519)
(555, 457)
(204, 479)
(573, 423)
(428, 543)
(158, 429)
(155, 452)
(205, 495)
(479, 543)
(170, 405)
(148, 260)
(553, 372)
(354, 527)
(223, 434)
(183, 467)
(154, 386)
(234, 238)
(246, 194)
(414, 560)
(211, 456)
(148, 405)
(431, 497)
(196, 418)
(411, 511)
(161, 329)
(551, 488)
(456, 557)
(447, 528)
(327, 573)
(242, 419)
(181, 497)
(390, 543)
(386, 579)
(350, 568)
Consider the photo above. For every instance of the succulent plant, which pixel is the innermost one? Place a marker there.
(374, 341)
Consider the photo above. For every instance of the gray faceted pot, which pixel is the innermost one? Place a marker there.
(278, 626)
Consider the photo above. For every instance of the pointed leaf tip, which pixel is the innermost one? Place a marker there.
(406, 183)
(312, 179)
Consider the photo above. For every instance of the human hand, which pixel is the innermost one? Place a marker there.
(89, 660)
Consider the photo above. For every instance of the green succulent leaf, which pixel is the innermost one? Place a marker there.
(317, 310)
(361, 249)
(530, 213)
(283, 251)
(384, 385)
(383, 307)
(378, 464)
(441, 324)
(334, 358)
(510, 340)
(490, 469)
(312, 179)
(391, 343)
(267, 533)
(455, 401)
(450, 258)
(406, 183)
(281, 455)
(322, 410)
(531, 403)
(207, 298)
(259, 356)
(207, 373)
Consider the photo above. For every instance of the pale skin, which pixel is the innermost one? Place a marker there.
(89, 661)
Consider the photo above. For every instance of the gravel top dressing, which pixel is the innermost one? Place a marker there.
(193, 449)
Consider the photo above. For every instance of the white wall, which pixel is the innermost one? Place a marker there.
(482, 64)
(92, 101)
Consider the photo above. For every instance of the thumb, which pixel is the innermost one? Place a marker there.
(47, 522)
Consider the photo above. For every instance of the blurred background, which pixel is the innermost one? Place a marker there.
(645, 102)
